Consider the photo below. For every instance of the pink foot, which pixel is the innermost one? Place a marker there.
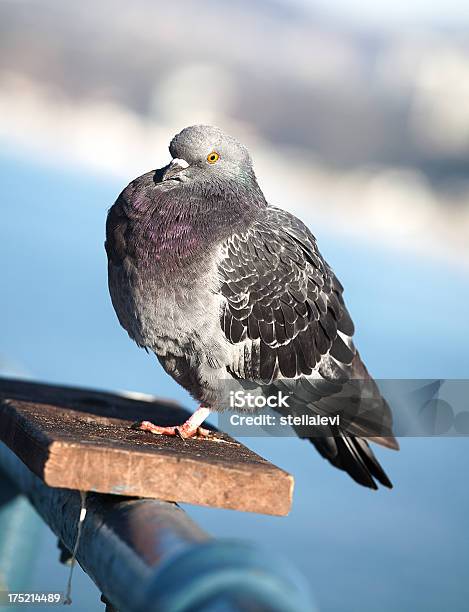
(189, 429)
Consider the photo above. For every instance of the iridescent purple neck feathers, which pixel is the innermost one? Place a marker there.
(174, 226)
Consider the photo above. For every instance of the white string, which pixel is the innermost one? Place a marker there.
(68, 592)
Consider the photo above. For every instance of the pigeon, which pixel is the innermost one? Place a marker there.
(226, 289)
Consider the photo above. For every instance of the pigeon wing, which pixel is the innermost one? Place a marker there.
(282, 301)
(283, 310)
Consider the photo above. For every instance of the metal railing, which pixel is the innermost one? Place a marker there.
(148, 555)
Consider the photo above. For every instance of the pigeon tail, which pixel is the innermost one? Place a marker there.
(354, 456)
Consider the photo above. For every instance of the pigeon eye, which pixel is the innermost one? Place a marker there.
(213, 157)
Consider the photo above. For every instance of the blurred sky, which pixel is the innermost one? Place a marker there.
(360, 131)
(373, 125)
(392, 13)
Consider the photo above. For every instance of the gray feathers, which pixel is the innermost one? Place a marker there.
(222, 287)
(193, 144)
(279, 291)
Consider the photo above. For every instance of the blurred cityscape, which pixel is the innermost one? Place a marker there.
(365, 130)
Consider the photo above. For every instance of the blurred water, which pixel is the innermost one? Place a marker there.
(361, 550)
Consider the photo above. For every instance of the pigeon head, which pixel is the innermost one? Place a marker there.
(203, 153)
(179, 211)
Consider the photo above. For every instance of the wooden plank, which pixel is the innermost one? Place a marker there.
(82, 439)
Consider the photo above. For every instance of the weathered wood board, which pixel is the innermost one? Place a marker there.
(82, 439)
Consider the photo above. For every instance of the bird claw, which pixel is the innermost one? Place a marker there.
(199, 432)
(154, 429)
(182, 431)
(185, 433)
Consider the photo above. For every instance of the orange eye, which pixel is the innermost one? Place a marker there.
(213, 157)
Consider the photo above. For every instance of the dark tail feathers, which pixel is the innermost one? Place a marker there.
(354, 456)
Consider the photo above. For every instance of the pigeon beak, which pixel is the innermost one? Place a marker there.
(174, 168)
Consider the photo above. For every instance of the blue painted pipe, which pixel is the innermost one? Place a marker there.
(226, 575)
(149, 556)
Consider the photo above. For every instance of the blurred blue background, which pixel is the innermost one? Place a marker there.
(357, 119)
